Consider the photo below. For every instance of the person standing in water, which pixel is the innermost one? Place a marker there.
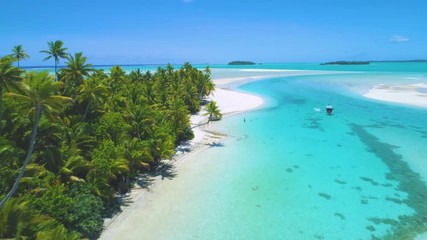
(329, 109)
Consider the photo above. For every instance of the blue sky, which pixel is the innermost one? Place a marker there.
(207, 31)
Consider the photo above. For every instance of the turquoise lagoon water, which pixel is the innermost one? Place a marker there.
(286, 171)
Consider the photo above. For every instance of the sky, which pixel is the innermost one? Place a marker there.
(208, 31)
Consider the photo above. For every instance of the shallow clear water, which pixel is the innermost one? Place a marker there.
(330, 175)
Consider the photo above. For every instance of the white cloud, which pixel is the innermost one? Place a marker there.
(399, 38)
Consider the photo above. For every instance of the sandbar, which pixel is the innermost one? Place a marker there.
(409, 94)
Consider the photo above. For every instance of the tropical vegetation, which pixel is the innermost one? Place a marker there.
(241, 63)
(19, 53)
(55, 51)
(212, 111)
(69, 148)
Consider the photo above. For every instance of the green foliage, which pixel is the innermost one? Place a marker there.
(17, 220)
(107, 159)
(137, 154)
(10, 77)
(54, 202)
(93, 93)
(77, 143)
(75, 72)
(19, 53)
(38, 90)
(117, 79)
(55, 51)
(37, 94)
(112, 126)
(212, 111)
(59, 232)
(73, 206)
(9, 164)
(241, 63)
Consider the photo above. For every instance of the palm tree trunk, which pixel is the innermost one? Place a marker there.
(27, 159)
(56, 74)
(86, 111)
(210, 117)
(1, 109)
(18, 63)
(201, 93)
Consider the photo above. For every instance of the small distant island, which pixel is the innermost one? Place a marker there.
(346, 63)
(241, 63)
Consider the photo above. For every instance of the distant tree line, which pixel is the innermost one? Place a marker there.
(241, 63)
(346, 63)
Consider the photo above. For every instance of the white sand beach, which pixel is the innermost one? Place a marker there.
(236, 77)
(230, 103)
(412, 94)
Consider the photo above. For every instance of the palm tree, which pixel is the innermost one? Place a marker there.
(109, 166)
(17, 221)
(161, 143)
(55, 51)
(179, 115)
(212, 111)
(9, 78)
(19, 53)
(10, 161)
(74, 167)
(139, 117)
(117, 78)
(92, 91)
(79, 139)
(59, 232)
(48, 144)
(207, 86)
(137, 76)
(38, 95)
(75, 72)
(137, 154)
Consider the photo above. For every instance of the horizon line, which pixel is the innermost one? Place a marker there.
(257, 63)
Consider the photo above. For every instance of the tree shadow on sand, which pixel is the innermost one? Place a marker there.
(215, 144)
(144, 180)
(163, 170)
(166, 170)
(184, 147)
